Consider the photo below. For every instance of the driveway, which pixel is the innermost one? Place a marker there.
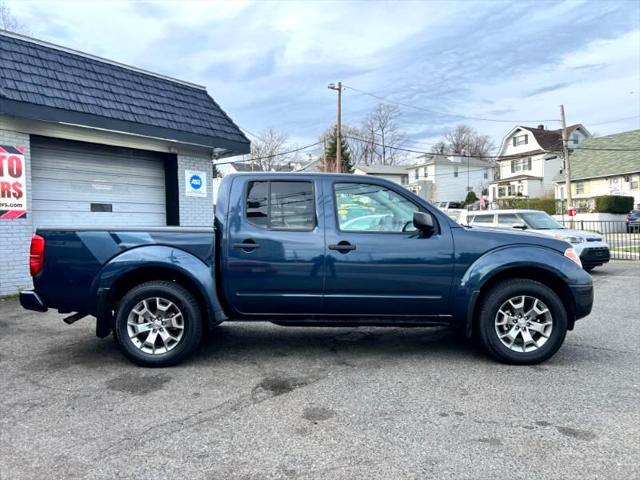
(261, 402)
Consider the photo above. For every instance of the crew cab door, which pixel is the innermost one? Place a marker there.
(378, 264)
(274, 247)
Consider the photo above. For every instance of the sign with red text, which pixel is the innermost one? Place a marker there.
(13, 183)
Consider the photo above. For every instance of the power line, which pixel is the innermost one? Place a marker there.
(266, 157)
(616, 120)
(445, 114)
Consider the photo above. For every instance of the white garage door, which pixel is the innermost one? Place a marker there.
(86, 185)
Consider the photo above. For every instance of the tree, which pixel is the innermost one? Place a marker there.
(330, 154)
(267, 150)
(471, 198)
(465, 140)
(9, 22)
(383, 128)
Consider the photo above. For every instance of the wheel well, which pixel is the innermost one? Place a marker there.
(541, 275)
(148, 274)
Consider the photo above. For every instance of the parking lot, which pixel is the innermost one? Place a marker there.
(261, 401)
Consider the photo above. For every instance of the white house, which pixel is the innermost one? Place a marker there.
(397, 174)
(448, 178)
(530, 158)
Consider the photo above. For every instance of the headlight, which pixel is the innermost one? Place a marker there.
(572, 240)
(571, 254)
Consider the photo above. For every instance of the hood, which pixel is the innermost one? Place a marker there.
(495, 237)
(580, 235)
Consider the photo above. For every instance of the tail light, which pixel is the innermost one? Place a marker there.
(36, 255)
(571, 254)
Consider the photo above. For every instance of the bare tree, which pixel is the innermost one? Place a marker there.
(9, 22)
(466, 140)
(267, 151)
(382, 124)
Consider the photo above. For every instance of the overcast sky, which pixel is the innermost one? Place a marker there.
(268, 63)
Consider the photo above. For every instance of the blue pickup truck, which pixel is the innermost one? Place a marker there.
(312, 250)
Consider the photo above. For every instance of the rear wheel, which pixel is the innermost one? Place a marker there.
(158, 324)
(522, 322)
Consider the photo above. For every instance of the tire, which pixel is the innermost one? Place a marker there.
(588, 269)
(553, 322)
(164, 310)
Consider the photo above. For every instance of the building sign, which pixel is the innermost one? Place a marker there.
(195, 183)
(13, 183)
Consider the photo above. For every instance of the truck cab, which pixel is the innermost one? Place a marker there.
(312, 250)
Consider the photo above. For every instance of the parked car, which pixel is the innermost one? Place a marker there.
(448, 205)
(281, 251)
(590, 247)
(633, 221)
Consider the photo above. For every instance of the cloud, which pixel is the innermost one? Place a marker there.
(268, 63)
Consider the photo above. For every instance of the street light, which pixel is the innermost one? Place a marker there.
(338, 88)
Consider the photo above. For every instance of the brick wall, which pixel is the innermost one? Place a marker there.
(15, 235)
(195, 211)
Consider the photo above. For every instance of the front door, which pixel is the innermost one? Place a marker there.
(274, 248)
(377, 263)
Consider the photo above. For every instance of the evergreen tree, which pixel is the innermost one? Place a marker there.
(471, 198)
(332, 145)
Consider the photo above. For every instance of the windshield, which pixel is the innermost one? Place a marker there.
(540, 221)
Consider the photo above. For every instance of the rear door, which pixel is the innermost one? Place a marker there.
(378, 265)
(274, 247)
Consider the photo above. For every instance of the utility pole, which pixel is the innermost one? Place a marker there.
(565, 156)
(338, 127)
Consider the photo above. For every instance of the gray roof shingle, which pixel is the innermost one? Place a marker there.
(617, 154)
(50, 83)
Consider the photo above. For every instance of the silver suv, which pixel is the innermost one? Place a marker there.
(589, 246)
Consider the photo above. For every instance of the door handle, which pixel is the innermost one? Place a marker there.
(246, 245)
(342, 247)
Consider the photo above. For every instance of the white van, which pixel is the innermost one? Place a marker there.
(593, 251)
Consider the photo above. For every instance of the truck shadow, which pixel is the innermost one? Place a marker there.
(265, 342)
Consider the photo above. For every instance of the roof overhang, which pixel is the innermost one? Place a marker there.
(57, 115)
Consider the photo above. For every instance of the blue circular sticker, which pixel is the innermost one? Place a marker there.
(195, 181)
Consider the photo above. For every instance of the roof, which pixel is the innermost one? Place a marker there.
(449, 159)
(516, 178)
(46, 82)
(246, 167)
(600, 163)
(548, 140)
(382, 169)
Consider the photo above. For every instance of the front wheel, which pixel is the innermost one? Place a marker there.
(158, 324)
(522, 322)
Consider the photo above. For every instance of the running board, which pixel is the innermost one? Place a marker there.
(74, 318)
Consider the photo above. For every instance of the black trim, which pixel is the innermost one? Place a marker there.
(50, 114)
(32, 301)
(171, 190)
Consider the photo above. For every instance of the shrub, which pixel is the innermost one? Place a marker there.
(545, 204)
(613, 204)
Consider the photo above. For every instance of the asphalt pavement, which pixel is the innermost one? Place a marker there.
(260, 401)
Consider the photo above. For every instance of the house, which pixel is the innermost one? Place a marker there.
(608, 165)
(395, 173)
(90, 142)
(438, 177)
(530, 158)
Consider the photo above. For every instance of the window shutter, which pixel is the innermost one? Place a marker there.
(529, 163)
(513, 166)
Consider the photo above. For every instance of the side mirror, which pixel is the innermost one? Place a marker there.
(423, 222)
(521, 226)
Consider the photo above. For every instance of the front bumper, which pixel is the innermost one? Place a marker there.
(594, 256)
(583, 297)
(32, 301)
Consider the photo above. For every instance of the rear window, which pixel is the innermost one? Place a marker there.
(482, 220)
(281, 205)
(508, 219)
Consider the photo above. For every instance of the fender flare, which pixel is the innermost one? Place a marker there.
(498, 261)
(199, 273)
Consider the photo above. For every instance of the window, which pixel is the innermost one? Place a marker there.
(455, 172)
(579, 188)
(520, 164)
(371, 208)
(482, 220)
(575, 138)
(426, 172)
(486, 174)
(508, 219)
(634, 184)
(520, 140)
(281, 205)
